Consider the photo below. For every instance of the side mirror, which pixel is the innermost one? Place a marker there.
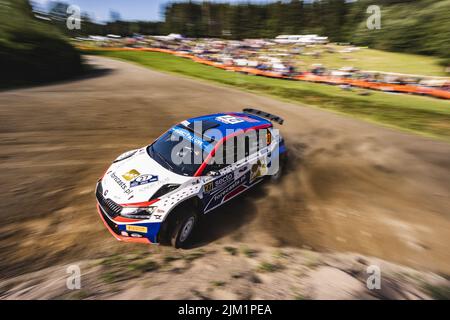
(214, 173)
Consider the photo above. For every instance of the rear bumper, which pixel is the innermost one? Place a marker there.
(116, 228)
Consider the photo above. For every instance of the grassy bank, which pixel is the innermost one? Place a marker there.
(32, 51)
(370, 59)
(424, 115)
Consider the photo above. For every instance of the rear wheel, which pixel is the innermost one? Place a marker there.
(282, 164)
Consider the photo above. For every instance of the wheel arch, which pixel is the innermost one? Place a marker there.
(193, 202)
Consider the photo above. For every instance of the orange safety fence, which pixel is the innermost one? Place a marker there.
(380, 86)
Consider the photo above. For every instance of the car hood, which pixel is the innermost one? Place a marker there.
(136, 179)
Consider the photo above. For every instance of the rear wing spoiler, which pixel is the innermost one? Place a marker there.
(263, 114)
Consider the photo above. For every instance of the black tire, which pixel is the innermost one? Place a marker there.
(183, 225)
(282, 164)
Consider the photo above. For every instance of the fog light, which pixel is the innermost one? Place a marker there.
(135, 235)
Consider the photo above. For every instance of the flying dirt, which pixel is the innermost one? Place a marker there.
(350, 186)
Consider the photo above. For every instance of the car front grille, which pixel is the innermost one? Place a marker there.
(113, 226)
(109, 206)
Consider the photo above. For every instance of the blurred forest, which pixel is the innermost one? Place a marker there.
(36, 49)
(413, 26)
(31, 50)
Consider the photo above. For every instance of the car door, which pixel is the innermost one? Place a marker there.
(226, 179)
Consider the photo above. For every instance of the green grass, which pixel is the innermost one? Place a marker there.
(438, 292)
(143, 266)
(170, 258)
(191, 256)
(218, 283)
(425, 115)
(231, 250)
(268, 267)
(300, 296)
(249, 253)
(377, 60)
(279, 254)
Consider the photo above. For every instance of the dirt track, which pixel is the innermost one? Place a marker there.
(352, 186)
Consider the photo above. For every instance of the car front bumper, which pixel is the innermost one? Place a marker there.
(128, 230)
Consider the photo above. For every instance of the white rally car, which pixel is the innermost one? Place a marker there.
(157, 194)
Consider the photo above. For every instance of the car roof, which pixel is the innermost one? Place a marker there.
(229, 120)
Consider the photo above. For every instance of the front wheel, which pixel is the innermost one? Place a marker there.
(183, 229)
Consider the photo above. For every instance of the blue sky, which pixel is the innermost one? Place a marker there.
(128, 9)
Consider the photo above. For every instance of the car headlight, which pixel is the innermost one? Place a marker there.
(137, 213)
(125, 155)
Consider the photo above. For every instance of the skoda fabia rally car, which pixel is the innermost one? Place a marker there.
(158, 193)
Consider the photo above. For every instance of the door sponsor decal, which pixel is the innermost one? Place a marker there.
(214, 199)
(218, 184)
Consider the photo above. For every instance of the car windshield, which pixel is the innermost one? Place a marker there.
(180, 151)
